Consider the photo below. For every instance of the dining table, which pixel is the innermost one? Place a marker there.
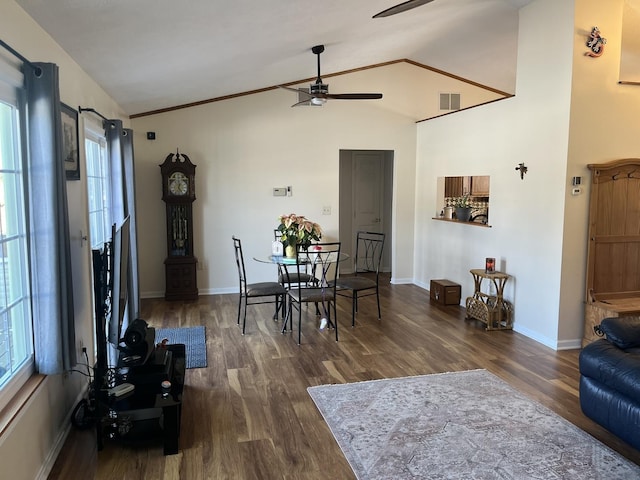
(308, 259)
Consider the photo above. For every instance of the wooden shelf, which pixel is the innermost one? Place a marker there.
(453, 220)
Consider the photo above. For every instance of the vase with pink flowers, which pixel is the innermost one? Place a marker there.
(297, 230)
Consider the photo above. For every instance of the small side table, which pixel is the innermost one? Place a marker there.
(493, 310)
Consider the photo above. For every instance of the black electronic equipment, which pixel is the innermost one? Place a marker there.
(118, 280)
(138, 340)
(150, 374)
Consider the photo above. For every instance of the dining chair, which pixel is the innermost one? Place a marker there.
(323, 259)
(255, 293)
(366, 266)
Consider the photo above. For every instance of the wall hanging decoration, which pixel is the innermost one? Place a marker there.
(523, 169)
(70, 142)
(595, 43)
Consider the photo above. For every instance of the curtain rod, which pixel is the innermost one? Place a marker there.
(17, 54)
(93, 110)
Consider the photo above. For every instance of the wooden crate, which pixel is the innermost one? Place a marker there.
(445, 292)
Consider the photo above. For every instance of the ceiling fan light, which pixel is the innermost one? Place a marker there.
(318, 101)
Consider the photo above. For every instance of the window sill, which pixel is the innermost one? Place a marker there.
(13, 408)
(453, 220)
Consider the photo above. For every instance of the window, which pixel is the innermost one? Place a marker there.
(16, 339)
(98, 190)
(98, 187)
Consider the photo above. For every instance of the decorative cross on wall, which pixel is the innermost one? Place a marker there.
(523, 169)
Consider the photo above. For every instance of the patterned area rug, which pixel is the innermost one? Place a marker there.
(193, 339)
(464, 425)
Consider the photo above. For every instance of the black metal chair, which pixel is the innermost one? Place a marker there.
(323, 259)
(256, 291)
(366, 266)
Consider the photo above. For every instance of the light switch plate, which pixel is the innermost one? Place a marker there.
(279, 192)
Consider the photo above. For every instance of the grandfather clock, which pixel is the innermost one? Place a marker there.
(178, 193)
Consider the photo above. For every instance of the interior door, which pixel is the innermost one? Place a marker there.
(368, 192)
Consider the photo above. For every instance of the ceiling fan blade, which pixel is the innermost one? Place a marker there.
(306, 102)
(297, 90)
(351, 96)
(401, 7)
(318, 92)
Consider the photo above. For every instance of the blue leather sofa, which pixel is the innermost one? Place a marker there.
(610, 378)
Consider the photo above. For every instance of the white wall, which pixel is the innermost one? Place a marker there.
(604, 126)
(526, 215)
(243, 147)
(31, 441)
(539, 229)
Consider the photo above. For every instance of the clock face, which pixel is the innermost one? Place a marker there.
(178, 184)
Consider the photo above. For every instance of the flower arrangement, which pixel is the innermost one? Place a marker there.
(297, 229)
(462, 202)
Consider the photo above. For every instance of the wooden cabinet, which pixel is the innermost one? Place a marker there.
(181, 280)
(476, 186)
(480, 186)
(613, 257)
(453, 186)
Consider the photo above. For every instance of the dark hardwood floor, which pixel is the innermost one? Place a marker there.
(248, 415)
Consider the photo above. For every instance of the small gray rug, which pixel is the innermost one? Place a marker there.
(463, 425)
(193, 339)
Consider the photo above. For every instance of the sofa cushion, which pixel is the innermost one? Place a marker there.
(617, 413)
(623, 332)
(609, 365)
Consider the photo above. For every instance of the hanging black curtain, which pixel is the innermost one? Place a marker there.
(121, 161)
(49, 245)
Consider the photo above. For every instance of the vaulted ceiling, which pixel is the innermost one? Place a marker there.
(155, 54)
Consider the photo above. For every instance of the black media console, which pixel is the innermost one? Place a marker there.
(147, 413)
(151, 410)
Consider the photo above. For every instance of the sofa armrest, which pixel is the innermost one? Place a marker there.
(623, 332)
(614, 367)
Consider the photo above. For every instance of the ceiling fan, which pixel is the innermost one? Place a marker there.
(318, 92)
(401, 7)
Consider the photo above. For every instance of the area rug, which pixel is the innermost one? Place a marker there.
(463, 425)
(193, 339)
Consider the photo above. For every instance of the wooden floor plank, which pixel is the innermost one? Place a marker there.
(248, 414)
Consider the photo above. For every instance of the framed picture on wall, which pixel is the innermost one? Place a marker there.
(70, 142)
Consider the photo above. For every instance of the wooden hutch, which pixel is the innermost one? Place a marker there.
(613, 258)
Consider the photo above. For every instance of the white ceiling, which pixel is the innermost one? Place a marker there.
(154, 54)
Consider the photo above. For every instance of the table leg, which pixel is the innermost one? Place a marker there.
(171, 428)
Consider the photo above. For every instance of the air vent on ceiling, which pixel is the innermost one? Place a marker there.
(449, 101)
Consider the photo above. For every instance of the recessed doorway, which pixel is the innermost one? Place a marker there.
(366, 194)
